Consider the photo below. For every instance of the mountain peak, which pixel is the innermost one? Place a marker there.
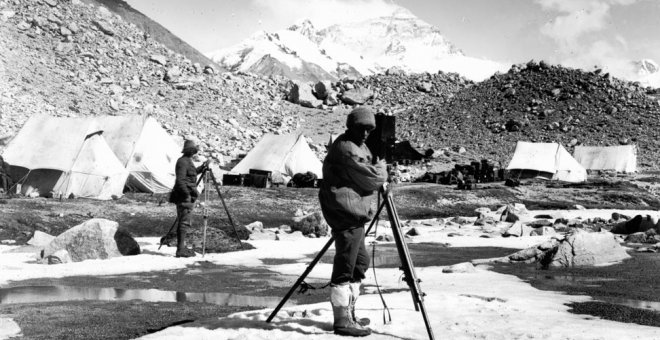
(646, 67)
(304, 28)
(402, 13)
(398, 39)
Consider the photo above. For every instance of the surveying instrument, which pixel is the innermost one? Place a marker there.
(208, 177)
(409, 275)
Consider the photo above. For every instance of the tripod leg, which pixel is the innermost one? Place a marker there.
(176, 220)
(311, 266)
(222, 199)
(301, 279)
(406, 263)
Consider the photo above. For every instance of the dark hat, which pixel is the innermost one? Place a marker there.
(188, 145)
(362, 115)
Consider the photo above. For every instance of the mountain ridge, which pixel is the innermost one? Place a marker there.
(371, 46)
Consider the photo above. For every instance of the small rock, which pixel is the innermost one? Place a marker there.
(465, 267)
(104, 27)
(159, 59)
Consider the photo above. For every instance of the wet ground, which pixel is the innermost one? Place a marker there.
(625, 292)
(108, 307)
(127, 306)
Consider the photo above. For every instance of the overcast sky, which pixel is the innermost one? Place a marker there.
(577, 33)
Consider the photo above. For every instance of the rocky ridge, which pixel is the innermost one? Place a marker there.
(534, 102)
(69, 58)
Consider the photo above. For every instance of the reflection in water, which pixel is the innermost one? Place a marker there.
(639, 304)
(586, 281)
(38, 294)
(386, 259)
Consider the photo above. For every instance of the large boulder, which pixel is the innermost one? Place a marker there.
(301, 93)
(581, 248)
(519, 230)
(97, 238)
(513, 212)
(313, 223)
(40, 239)
(637, 224)
(357, 96)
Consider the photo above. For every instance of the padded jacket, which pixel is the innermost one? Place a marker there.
(350, 181)
(185, 185)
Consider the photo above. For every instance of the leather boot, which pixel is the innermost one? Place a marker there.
(181, 250)
(355, 293)
(340, 296)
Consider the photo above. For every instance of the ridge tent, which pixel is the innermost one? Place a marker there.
(147, 151)
(65, 157)
(620, 158)
(550, 160)
(289, 154)
(46, 146)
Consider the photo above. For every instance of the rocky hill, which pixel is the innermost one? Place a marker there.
(152, 29)
(532, 102)
(73, 58)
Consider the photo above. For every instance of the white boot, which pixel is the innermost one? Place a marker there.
(340, 297)
(355, 293)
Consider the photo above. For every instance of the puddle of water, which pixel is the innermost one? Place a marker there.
(585, 281)
(639, 304)
(386, 259)
(39, 294)
(571, 280)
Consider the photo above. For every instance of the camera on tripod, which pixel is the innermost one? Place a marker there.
(383, 144)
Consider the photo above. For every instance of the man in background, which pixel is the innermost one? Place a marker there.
(184, 194)
(5, 180)
(350, 182)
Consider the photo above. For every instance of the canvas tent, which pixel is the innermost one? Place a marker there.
(550, 160)
(289, 154)
(71, 154)
(147, 151)
(620, 158)
(67, 157)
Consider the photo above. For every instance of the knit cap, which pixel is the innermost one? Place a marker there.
(362, 115)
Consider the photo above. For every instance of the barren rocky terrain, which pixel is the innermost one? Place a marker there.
(72, 58)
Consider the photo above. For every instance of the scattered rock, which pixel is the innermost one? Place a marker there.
(581, 248)
(94, 239)
(465, 267)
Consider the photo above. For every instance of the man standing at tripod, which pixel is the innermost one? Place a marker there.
(184, 194)
(350, 183)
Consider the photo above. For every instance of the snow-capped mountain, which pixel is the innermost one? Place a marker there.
(648, 72)
(646, 67)
(400, 40)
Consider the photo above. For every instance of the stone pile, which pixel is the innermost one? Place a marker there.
(540, 103)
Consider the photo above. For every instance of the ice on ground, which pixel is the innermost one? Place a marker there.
(482, 304)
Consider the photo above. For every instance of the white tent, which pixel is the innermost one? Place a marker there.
(546, 159)
(621, 158)
(147, 151)
(47, 146)
(289, 154)
(65, 157)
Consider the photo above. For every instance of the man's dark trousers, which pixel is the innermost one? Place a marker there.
(351, 257)
(184, 214)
